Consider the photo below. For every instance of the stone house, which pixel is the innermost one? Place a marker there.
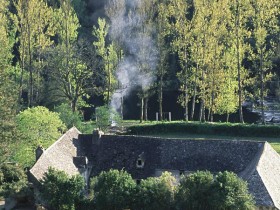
(89, 154)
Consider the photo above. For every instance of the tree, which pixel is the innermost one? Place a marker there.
(105, 117)
(67, 61)
(239, 18)
(264, 20)
(13, 180)
(203, 190)
(182, 26)
(109, 56)
(194, 191)
(231, 192)
(37, 126)
(163, 31)
(113, 190)
(68, 117)
(72, 75)
(35, 26)
(155, 193)
(60, 190)
(8, 99)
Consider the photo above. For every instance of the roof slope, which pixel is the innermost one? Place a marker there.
(59, 155)
(268, 168)
(254, 161)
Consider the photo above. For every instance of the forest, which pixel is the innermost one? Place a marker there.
(92, 53)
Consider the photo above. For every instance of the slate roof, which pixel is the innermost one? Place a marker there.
(254, 161)
(59, 156)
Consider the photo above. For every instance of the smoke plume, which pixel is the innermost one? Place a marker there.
(129, 29)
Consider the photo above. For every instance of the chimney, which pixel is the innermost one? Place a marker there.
(39, 151)
(96, 137)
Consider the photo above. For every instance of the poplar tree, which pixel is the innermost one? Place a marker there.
(8, 99)
(240, 11)
(34, 24)
(264, 18)
(108, 54)
(163, 31)
(178, 10)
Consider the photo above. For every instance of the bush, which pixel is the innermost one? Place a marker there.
(231, 192)
(155, 193)
(194, 191)
(202, 190)
(113, 190)
(61, 191)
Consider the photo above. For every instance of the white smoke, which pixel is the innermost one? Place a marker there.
(129, 29)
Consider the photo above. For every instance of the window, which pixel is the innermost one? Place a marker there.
(139, 163)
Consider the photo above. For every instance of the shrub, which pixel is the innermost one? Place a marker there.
(194, 191)
(61, 191)
(155, 193)
(202, 190)
(113, 190)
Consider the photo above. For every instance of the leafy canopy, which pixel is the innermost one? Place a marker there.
(60, 190)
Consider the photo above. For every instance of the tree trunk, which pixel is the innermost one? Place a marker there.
(146, 108)
(227, 117)
(160, 97)
(202, 111)
(74, 105)
(241, 120)
(142, 110)
(186, 104)
(194, 95)
(262, 86)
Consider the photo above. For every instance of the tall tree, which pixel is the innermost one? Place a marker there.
(162, 34)
(265, 20)
(183, 26)
(68, 61)
(108, 54)
(239, 19)
(34, 24)
(8, 99)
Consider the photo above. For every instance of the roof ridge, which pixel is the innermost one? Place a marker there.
(249, 170)
(56, 142)
(262, 167)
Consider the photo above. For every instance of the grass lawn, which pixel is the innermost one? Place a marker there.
(274, 142)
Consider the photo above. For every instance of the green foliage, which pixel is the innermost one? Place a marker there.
(231, 192)
(68, 117)
(155, 193)
(194, 191)
(8, 97)
(37, 126)
(202, 190)
(13, 181)
(61, 191)
(113, 190)
(225, 129)
(105, 116)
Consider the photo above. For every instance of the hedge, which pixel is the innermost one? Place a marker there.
(224, 129)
